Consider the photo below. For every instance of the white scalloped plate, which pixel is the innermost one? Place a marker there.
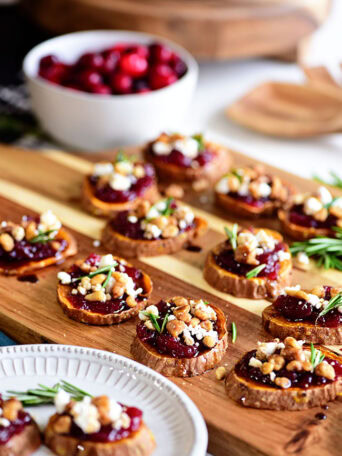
(175, 421)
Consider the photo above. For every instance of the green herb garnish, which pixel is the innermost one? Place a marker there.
(108, 269)
(328, 205)
(43, 237)
(235, 173)
(45, 395)
(316, 356)
(165, 212)
(326, 251)
(232, 235)
(165, 320)
(334, 302)
(254, 272)
(234, 332)
(336, 180)
(154, 320)
(200, 140)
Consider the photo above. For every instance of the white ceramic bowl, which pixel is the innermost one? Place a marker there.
(90, 122)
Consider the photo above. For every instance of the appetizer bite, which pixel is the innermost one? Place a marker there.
(251, 192)
(187, 158)
(315, 316)
(19, 433)
(103, 290)
(149, 230)
(285, 376)
(118, 186)
(181, 337)
(252, 263)
(311, 215)
(34, 243)
(100, 426)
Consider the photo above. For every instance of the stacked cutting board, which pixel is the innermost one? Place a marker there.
(35, 181)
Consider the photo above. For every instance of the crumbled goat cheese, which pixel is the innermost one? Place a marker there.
(115, 410)
(124, 167)
(106, 260)
(265, 241)
(119, 182)
(187, 146)
(272, 376)
(103, 169)
(324, 195)
(152, 231)
(244, 188)
(312, 205)
(61, 400)
(302, 258)
(64, 277)
(264, 190)
(223, 185)
(3, 224)
(283, 255)
(4, 422)
(150, 309)
(255, 362)
(314, 301)
(86, 416)
(96, 243)
(132, 219)
(49, 221)
(162, 148)
(337, 203)
(268, 348)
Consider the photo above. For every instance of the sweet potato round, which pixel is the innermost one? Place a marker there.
(139, 443)
(254, 288)
(70, 250)
(256, 395)
(300, 233)
(23, 444)
(132, 248)
(92, 318)
(183, 367)
(98, 207)
(280, 327)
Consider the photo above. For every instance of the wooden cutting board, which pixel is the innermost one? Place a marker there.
(219, 29)
(35, 181)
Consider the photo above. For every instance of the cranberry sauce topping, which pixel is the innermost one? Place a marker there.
(178, 159)
(107, 433)
(166, 344)
(299, 379)
(24, 252)
(225, 259)
(15, 427)
(298, 217)
(248, 199)
(295, 309)
(111, 306)
(109, 195)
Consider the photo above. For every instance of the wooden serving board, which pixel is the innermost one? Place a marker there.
(35, 181)
(220, 29)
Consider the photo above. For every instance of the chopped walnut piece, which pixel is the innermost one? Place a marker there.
(300, 294)
(85, 267)
(18, 233)
(204, 312)
(182, 313)
(131, 302)
(11, 408)
(7, 242)
(200, 185)
(335, 291)
(278, 362)
(291, 353)
(31, 230)
(175, 327)
(161, 222)
(292, 342)
(149, 325)
(174, 191)
(56, 245)
(267, 367)
(194, 322)
(209, 341)
(220, 373)
(143, 208)
(326, 370)
(99, 278)
(307, 366)
(170, 231)
(98, 295)
(336, 211)
(207, 325)
(180, 301)
(62, 424)
(294, 366)
(321, 215)
(278, 190)
(283, 382)
(102, 404)
(243, 254)
(318, 291)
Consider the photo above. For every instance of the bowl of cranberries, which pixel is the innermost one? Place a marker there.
(99, 89)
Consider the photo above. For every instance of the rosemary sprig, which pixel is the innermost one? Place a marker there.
(42, 237)
(316, 356)
(165, 320)
(232, 235)
(333, 303)
(200, 140)
(254, 272)
(336, 181)
(165, 212)
(326, 251)
(234, 332)
(45, 395)
(154, 320)
(328, 205)
(235, 173)
(108, 269)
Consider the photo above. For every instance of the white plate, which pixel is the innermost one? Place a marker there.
(175, 421)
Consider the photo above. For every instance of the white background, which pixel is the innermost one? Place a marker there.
(221, 83)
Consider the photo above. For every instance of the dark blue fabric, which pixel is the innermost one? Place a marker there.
(4, 340)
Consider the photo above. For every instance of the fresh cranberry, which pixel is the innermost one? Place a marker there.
(139, 49)
(173, 347)
(101, 89)
(292, 307)
(141, 86)
(178, 65)
(160, 53)
(93, 259)
(90, 61)
(110, 61)
(55, 73)
(122, 83)
(133, 64)
(90, 79)
(48, 61)
(162, 75)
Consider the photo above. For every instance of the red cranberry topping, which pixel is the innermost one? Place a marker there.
(300, 379)
(248, 199)
(177, 158)
(298, 217)
(166, 344)
(109, 195)
(15, 427)
(107, 433)
(295, 309)
(225, 259)
(116, 70)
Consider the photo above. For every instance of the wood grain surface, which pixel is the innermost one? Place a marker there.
(208, 28)
(35, 181)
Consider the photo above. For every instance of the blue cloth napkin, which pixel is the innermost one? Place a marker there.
(4, 340)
